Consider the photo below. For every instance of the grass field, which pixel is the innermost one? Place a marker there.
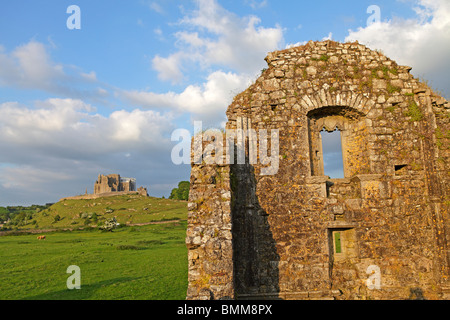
(131, 263)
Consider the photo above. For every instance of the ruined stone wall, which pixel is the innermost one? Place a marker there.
(109, 183)
(113, 183)
(390, 211)
(209, 238)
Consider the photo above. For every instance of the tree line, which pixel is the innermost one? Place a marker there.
(20, 215)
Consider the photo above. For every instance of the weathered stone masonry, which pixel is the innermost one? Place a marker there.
(113, 183)
(299, 234)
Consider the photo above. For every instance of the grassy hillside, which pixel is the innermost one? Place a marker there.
(133, 263)
(127, 209)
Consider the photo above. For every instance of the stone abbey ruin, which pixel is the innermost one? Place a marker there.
(381, 232)
(112, 185)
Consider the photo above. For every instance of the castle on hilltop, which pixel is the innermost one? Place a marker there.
(112, 185)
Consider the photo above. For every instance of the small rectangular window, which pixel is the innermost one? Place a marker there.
(337, 242)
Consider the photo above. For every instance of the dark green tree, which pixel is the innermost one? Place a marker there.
(4, 214)
(182, 192)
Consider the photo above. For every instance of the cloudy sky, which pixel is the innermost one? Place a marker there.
(105, 98)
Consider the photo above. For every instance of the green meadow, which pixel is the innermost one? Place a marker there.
(147, 262)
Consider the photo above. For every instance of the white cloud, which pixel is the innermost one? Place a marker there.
(328, 37)
(208, 101)
(22, 125)
(153, 5)
(30, 178)
(102, 92)
(29, 66)
(137, 126)
(190, 38)
(91, 76)
(254, 4)
(217, 37)
(71, 126)
(210, 38)
(169, 69)
(297, 44)
(422, 43)
(158, 32)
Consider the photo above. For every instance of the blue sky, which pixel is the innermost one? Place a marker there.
(106, 98)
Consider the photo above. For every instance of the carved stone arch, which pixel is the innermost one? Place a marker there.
(358, 102)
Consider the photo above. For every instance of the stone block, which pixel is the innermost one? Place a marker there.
(379, 84)
(311, 70)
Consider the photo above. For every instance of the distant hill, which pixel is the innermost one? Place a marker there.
(127, 209)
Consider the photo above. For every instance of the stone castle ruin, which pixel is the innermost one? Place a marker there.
(381, 232)
(112, 185)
